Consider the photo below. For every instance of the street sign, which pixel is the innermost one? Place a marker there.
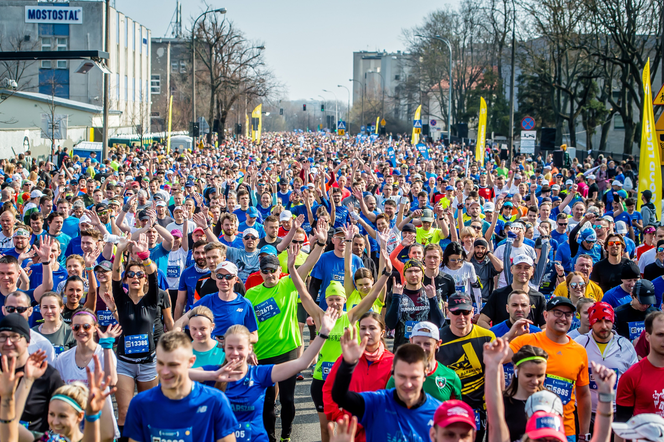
(528, 138)
(417, 124)
(527, 123)
(383, 123)
(433, 122)
(362, 128)
(659, 98)
(341, 125)
(341, 132)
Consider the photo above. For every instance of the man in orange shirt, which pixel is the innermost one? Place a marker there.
(567, 365)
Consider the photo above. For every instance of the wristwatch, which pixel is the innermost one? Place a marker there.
(585, 437)
(606, 397)
(386, 273)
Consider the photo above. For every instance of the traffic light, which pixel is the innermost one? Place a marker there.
(322, 108)
(304, 107)
(193, 129)
(281, 111)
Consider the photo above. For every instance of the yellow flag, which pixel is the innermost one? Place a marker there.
(170, 121)
(417, 126)
(481, 134)
(377, 123)
(256, 123)
(650, 174)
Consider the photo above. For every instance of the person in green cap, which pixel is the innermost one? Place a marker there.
(335, 295)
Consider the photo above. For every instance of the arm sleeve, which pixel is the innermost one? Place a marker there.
(573, 245)
(623, 413)
(392, 315)
(435, 315)
(348, 400)
(314, 287)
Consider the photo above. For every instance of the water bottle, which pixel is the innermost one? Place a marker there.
(113, 239)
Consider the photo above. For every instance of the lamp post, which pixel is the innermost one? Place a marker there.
(449, 99)
(362, 93)
(382, 82)
(193, 60)
(336, 108)
(348, 108)
(511, 130)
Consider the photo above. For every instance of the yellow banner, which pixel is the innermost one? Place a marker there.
(481, 134)
(170, 121)
(377, 123)
(256, 131)
(417, 120)
(650, 174)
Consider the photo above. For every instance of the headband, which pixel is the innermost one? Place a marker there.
(83, 312)
(530, 358)
(67, 399)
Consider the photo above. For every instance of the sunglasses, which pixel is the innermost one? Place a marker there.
(226, 277)
(660, 249)
(614, 243)
(77, 327)
(454, 260)
(12, 309)
(478, 228)
(461, 312)
(249, 238)
(562, 224)
(102, 212)
(138, 275)
(597, 226)
(268, 271)
(578, 285)
(297, 242)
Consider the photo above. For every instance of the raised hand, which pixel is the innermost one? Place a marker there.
(397, 289)
(8, 379)
(200, 219)
(142, 244)
(329, 319)
(230, 372)
(90, 257)
(97, 384)
(44, 250)
(430, 289)
(352, 351)
(495, 352)
(345, 431)
(298, 221)
(407, 242)
(604, 377)
(320, 233)
(112, 331)
(36, 365)
(94, 218)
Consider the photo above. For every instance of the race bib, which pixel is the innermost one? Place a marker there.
(243, 432)
(560, 386)
(162, 435)
(409, 328)
(508, 371)
(106, 318)
(136, 344)
(478, 419)
(325, 368)
(266, 310)
(635, 329)
(173, 271)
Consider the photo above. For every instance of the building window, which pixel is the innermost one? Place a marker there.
(155, 84)
(126, 22)
(46, 45)
(117, 29)
(618, 122)
(183, 67)
(174, 67)
(117, 87)
(140, 43)
(126, 88)
(61, 43)
(147, 88)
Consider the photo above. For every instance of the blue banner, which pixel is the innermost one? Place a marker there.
(390, 153)
(422, 149)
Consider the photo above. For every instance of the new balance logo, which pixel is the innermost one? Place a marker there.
(202, 409)
(240, 310)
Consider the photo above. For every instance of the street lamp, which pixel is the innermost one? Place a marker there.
(193, 60)
(511, 133)
(362, 93)
(449, 98)
(382, 111)
(336, 108)
(348, 109)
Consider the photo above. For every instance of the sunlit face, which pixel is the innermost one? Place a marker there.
(413, 276)
(603, 328)
(530, 376)
(36, 225)
(63, 419)
(372, 330)
(364, 285)
(18, 302)
(522, 272)
(455, 262)
(223, 284)
(655, 339)
(229, 227)
(408, 380)
(518, 307)
(336, 302)
(213, 258)
(21, 242)
(74, 292)
(200, 328)
(576, 287)
(54, 227)
(74, 267)
(173, 367)
(559, 319)
(628, 284)
(136, 282)
(86, 328)
(429, 345)
(50, 308)
(584, 265)
(7, 221)
(237, 347)
(432, 259)
(416, 252)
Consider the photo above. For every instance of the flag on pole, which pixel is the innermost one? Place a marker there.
(417, 126)
(650, 174)
(377, 123)
(481, 134)
(170, 121)
(257, 123)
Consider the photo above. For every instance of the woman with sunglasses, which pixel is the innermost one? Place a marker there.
(463, 272)
(54, 328)
(73, 364)
(577, 285)
(137, 310)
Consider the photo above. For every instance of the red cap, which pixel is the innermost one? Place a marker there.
(599, 311)
(542, 424)
(452, 411)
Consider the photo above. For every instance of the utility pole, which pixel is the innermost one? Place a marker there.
(107, 78)
(512, 75)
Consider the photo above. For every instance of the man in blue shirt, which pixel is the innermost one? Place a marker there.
(203, 413)
(251, 222)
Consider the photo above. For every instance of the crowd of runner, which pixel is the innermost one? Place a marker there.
(522, 300)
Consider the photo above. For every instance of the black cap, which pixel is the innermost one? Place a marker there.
(16, 323)
(644, 291)
(647, 193)
(409, 228)
(630, 271)
(338, 230)
(559, 301)
(101, 207)
(268, 262)
(143, 215)
(459, 301)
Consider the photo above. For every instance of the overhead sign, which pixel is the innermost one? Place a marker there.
(433, 122)
(659, 98)
(528, 138)
(527, 123)
(64, 15)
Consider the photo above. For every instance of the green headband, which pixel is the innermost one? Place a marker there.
(67, 399)
(530, 358)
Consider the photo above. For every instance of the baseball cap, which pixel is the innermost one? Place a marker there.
(459, 301)
(621, 227)
(338, 231)
(425, 329)
(453, 411)
(161, 204)
(409, 228)
(630, 271)
(555, 187)
(176, 233)
(508, 204)
(427, 216)
(522, 259)
(647, 193)
(270, 262)
(143, 215)
(198, 230)
(569, 182)
(591, 177)
(544, 401)
(285, 215)
(177, 208)
(104, 266)
(644, 291)
(616, 183)
(599, 311)
(489, 207)
(335, 288)
(646, 426)
(253, 232)
(545, 425)
(17, 324)
(588, 235)
(268, 250)
(36, 194)
(252, 212)
(449, 188)
(559, 301)
(228, 266)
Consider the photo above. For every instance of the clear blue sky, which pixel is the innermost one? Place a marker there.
(309, 43)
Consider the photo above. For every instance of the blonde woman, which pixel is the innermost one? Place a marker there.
(201, 323)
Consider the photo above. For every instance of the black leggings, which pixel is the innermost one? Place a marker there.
(286, 397)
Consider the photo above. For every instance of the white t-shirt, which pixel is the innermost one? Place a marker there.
(647, 258)
(516, 251)
(463, 280)
(190, 227)
(38, 342)
(177, 261)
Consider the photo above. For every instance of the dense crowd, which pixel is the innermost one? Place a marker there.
(522, 299)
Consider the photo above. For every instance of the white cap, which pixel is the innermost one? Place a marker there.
(616, 183)
(36, 194)
(489, 207)
(591, 177)
(621, 227)
(544, 401)
(646, 426)
(555, 187)
(522, 259)
(177, 208)
(250, 232)
(228, 266)
(569, 182)
(160, 203)
(425, 329)
(285, 215)
(85, 219)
